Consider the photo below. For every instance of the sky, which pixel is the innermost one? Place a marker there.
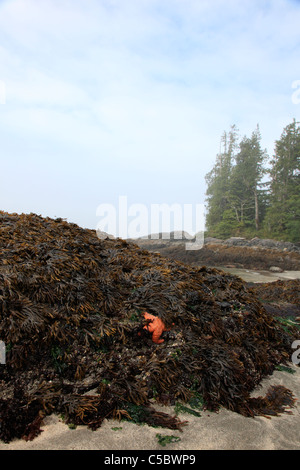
(109, 99)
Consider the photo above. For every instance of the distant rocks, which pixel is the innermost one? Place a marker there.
(275, 269)
(177, 237)
(104, 236)
(234, 252)
(263, 243)
(213, 241)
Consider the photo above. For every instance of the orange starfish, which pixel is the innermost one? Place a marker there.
(156, 327)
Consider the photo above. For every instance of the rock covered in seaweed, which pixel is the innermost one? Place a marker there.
(71, 317)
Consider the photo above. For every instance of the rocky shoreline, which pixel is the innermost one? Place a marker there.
(235, 252)
(264, 243)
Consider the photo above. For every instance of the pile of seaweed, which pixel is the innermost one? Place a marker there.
(71, 318)
(278, 291)
(280, 298)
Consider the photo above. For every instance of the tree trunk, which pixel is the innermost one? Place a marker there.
(256, 209)
(236, 214)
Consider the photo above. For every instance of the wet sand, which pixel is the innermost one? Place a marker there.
(251, 275)
(224, 430)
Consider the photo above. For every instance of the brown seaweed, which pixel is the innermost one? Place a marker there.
(278, 291)
(71, 317)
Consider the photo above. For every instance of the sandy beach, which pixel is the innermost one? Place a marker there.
(224, 430)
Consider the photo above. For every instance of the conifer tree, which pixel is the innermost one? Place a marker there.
(245, 191)
(218, 181)
(283, 215)
(238, 202)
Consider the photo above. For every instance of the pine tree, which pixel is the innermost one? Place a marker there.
(218, 181)
(236, 200)
(245, 191)
(283, 216)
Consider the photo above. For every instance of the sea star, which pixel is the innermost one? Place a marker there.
(156, 327)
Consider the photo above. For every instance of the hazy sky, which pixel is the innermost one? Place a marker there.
(109, 98)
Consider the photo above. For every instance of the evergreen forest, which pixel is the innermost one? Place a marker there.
(250, 194)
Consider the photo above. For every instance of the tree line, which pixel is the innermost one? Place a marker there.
(250, 194)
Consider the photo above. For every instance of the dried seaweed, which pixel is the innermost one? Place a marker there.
(277, 400)
(21, 416)
(278, 291)
(71, 317)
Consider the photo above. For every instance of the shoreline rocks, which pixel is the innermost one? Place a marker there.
(237, 252)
